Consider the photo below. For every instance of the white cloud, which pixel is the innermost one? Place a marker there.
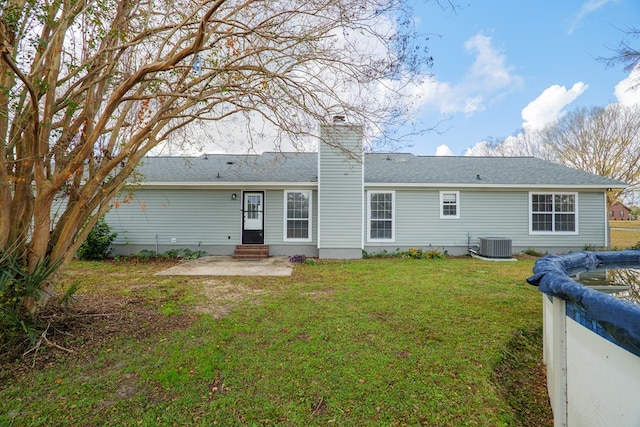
(514, 145)
(447, 98)
(481, 148)
(488, 76)
(489, 69)
(627, 91)
(542, 111)
(588, 7)
(548, 107)
(526, 143)
(444, 150)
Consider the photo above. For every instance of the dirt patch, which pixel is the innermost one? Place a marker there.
(89, 323)
(222, 297)
(323, 294)
(93, 320)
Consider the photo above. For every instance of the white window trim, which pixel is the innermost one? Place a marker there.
(393, 216)
(442, 215)
(309, 194)
(553, 233)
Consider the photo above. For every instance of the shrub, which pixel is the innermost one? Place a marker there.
(184, 253)
(383, 254)
(98, 243)
(143, 255)
(16, 284)
(420, 254)
(189, 254)
(532, 252)
(172, 254)
(146, 255)
(302, 259)
(414, 253)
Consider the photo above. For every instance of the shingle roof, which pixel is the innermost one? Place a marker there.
(380, 168)
(477, 171)
(220, 168)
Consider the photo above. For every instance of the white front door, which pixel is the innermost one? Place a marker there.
(252, 217)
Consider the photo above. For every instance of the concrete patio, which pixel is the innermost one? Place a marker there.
(227, 266)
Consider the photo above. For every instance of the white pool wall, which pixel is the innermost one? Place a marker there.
(591, 380)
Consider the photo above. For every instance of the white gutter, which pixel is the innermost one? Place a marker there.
(273, 184)
(232, 184)
(459, 185)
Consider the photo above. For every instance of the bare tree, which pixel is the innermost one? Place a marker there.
(88, 87)
(523, 144)
(603, 141)
(625, 54)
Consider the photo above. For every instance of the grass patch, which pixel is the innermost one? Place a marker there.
(625, 224)
(624, 234)
(513, 377)
(370, 342)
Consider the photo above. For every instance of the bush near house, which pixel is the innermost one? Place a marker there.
(97, 246)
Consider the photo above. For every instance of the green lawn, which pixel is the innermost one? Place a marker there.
(383, 342)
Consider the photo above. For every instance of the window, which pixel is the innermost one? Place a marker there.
(450, 204)
(297, 213)
(381, 216)
(554, 213)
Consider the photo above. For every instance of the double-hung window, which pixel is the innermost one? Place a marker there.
(381, 216)
(554, 213)
(297, 213)
(449, 204)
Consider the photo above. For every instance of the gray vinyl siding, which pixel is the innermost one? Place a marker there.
(192, 217)
(340, 184)
(485, 213)
(274, 219)
(200, 219)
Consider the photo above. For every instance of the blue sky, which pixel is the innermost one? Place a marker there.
(503, 65)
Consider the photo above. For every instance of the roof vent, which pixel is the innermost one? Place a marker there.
(338, 119)
(478, 177)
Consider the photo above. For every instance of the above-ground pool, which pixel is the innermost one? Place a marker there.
(591, 338)
(623, 283)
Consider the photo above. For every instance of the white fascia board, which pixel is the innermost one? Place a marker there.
(234, 184)
(278, 185)
(517, 186)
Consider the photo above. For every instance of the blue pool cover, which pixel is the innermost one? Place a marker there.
(619, 318)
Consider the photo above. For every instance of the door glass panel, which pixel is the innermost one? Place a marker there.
(253, 207)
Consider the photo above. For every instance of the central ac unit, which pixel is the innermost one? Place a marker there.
(495, 247)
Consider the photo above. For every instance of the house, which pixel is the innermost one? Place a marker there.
(339, 202)
(619, 211)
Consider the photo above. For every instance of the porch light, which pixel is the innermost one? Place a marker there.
(234, 196)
